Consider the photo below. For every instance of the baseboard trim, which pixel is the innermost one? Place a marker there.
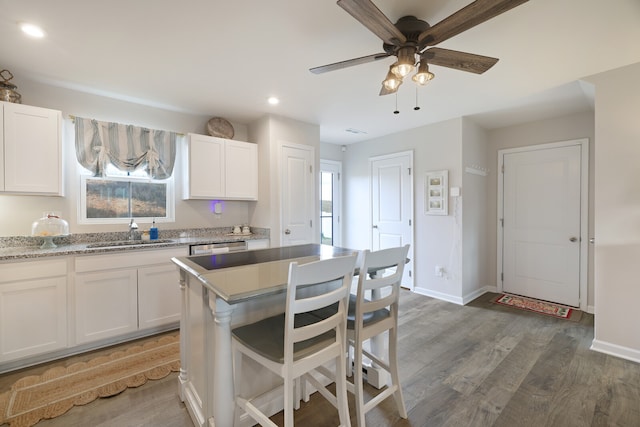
(616, 350)
(438, 295)
(464, 300)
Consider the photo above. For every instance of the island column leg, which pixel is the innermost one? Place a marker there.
(223, 389)
(184, 335)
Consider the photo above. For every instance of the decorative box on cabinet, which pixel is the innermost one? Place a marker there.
(31, 150)
(33, 308)
(219, 168)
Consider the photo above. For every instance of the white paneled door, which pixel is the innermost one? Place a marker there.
(298, 195)
(392, 205)
(541, 248)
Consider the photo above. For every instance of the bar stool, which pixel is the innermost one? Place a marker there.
(368, 318)
(295, 343)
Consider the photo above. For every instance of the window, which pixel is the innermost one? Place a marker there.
(121, 196)
(330, 202)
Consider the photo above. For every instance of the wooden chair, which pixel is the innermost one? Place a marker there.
(368, 318)
(295, 343)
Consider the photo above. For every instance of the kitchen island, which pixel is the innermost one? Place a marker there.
(220, 292)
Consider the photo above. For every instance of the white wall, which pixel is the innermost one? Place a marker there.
(331, 152)
(18, 212)
(617, 212)
(435, 147)
(562, 128)
(475, 240)
(270, 132)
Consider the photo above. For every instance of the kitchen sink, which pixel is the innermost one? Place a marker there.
(117, 243)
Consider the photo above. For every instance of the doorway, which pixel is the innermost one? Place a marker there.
(298, 194)
(392, 205)
(542, 228)
(330, 202)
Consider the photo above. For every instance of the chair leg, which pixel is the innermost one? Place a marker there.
(289, 395)
(358, 384)
(393, 368)
(349, 359)
(341, 393)
(298, 386)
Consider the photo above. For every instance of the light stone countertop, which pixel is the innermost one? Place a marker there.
(26, 247)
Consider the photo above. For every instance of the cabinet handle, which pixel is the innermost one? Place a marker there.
(374, 226)
(287, 231)
(573, 239)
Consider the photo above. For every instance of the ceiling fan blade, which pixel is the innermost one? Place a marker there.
(371, 17)
(458, 60)
(468, 17)
(348, 63)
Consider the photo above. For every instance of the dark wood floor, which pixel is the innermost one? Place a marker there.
(478, 365)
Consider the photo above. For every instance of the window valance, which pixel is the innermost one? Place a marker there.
(127, 147)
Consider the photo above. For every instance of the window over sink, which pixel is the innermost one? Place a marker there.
(119, 195)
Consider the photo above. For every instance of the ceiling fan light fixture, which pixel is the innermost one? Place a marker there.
(406, 61)
(392, 82)
(423, 75)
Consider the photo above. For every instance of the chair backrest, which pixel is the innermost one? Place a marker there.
(331, 279)
(374, 275)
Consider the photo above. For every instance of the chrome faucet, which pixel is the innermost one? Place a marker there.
(133, 231)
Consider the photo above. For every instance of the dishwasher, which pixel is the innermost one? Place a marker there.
(217, 248)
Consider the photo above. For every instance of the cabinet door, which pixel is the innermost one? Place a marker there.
(106, 304)
(242, 170)
(2, 146)
(33, 317)
(206, 166)
(158, 295)
(32, 150)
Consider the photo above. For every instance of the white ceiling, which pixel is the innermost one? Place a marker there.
(225, 58)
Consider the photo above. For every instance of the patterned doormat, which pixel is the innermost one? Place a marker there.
(53, 393)
(537, 306)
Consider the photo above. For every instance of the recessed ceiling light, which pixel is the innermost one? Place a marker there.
(32, 30)
(273, 100)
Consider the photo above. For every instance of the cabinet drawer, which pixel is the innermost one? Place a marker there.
(127, 259)
(29, 269)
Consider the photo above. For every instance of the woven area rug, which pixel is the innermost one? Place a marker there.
(537, 306)
(56, 391)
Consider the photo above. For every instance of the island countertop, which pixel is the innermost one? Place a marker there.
(237, 277)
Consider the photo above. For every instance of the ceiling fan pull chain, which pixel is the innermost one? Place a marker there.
(396, 110)
(417, 107)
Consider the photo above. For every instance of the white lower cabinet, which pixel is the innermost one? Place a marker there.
(257, 244)
(33, 308)
(125, 292)
(106, 304)
(158, 296)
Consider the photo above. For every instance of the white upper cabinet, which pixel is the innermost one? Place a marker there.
(218, 168)
(241, 175)
(31, 158)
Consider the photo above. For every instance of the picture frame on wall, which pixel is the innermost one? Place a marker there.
(437, 193)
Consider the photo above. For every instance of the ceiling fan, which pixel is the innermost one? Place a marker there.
(411, 39)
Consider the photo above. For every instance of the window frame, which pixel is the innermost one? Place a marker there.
(82, 205)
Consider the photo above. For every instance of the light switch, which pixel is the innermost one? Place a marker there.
(455, 192)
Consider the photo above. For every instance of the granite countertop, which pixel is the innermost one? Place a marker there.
(23, 247)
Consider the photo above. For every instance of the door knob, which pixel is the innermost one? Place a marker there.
(287, 231)
(573, 239)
